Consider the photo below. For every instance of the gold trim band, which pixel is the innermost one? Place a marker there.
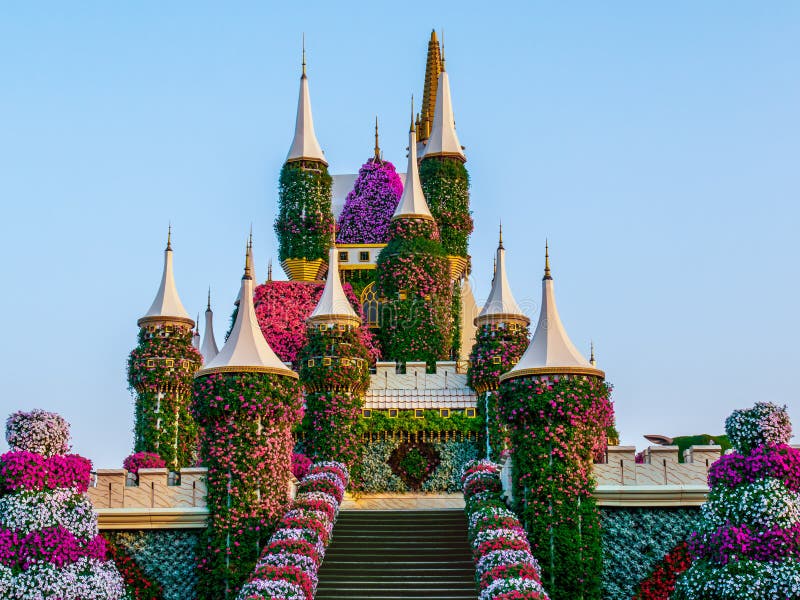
(159, 319)
(286, 372)
(589, 371)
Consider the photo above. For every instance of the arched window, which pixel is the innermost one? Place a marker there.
(370, 305)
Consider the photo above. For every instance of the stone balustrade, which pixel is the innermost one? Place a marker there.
(154, 489)
(660, 466)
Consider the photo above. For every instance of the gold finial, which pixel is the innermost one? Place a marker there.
(442, 61)
(547, 261)
(304, 54)
(433, 66)
(413, 125)
(250, 241)
(592, 360)
(500, 245)
(169, 236)
(208, 306)
(248, 273)
(377, 147)
(269, 270)
(197, 325)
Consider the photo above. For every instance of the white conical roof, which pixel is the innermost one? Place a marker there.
(501, 305)
(196, 333)
(305, 145)
(246, 349)
(167, 305)
(333, 305)
(443, 140)
(209, 349)
(412, 203)
(551, 351)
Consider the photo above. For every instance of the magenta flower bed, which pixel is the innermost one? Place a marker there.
(780, 462)
(30, 471)
(55, 545)
(370, 205)
(143, 460)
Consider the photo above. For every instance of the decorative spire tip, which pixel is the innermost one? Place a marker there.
(412, 114)
(377, 147)
(500, 244)
(547, 274)
(169, 236)
(208, 306)
(304, 54)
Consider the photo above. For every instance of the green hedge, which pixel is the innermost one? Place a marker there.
(635, 540)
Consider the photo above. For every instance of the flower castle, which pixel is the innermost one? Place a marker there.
(374, 362)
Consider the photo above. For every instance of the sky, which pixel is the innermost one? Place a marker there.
(656, 146)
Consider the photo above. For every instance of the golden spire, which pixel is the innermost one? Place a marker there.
(433, 67)
(500, 244)
(377, 147)
(592, 360)
(304, 54)
(547, 261)
(269, 270)
(413, 125)
(169, 236)
(248, 273)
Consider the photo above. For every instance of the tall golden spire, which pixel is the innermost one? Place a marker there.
(500, 243)
(169, 236)
(433, 67)
(377, 147)
(547, 261)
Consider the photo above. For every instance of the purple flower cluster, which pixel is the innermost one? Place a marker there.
(779, 462)
(765, 424)
(733, 543)
(30, 471)
(55, 545)
(38, 431)
(370, 205)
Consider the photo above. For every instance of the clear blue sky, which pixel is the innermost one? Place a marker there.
(657, 146)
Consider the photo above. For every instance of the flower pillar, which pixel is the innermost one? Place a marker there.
(334, 368)
(304, 217)
(160, 371)
(413, 277)
(556, 406)
(245, 402)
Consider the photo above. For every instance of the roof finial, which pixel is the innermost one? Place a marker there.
(500, 245)
(304, 54)
(197, 324)
(443, 69)
(208, 306)
(269, 270)
(248, 273)
(377, 147)
(169, 236)
(250, 241)
(592, 360)
(547, 261)
(412, 114)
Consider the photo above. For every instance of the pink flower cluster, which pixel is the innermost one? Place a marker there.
(287, 569)
(31, 471)
(300, 465)
(734, 542)
(780, 462)
(55, 545)
(505, 569)
(143, 460)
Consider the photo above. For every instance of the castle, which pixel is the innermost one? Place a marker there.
(374, 354)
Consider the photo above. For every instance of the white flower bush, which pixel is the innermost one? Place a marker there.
(38, 431)
(764, 504)
(28, 511)
(86, 579)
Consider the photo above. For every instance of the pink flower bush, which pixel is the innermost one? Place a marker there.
(30, 471)
(143, 460)
(287, 569)
(300, 465)
(370, 204)
(38, 431)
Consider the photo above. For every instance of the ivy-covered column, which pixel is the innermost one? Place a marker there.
(160, 371)
(245, 403)
(414, 279)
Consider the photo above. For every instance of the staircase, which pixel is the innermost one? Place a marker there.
(398, 554)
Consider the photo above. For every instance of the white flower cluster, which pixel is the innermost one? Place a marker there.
(765, 503)
(764, 424)
(742, 579)
(28, 511)
(517, 584)
(38, 431)
(490, 512)
(86, 579)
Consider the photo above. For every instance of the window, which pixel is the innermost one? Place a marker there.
(392, 413)
(495, 360)
(419, 413)
(326, 362)
(169, 362)
(370, 305)
(344, 256)
(444, 413)
(366, 413)
(363, 256)
(470, 412)
(311, 362)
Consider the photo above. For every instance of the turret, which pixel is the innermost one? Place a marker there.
(160, 371)
(246, 402)
(209, 348)
(443, 140)
(501, 307)
(304, 212)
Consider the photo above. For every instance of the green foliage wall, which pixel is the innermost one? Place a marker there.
(163, 363)
(167, 557)
(445, 183)
(634, 542)
(304, 224)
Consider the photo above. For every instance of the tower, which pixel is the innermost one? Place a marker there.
(433, 66)
(445, 182)
(160, 371)
(304, 213)
(558, 410)
(334, 368)
(209, 348)
(501, 339)
(413, 277)
(245, 401)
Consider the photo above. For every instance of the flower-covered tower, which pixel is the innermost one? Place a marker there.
(445, 182)
(413, 278)
(748, 542)
(334, 368)
(304, 211)
(245, 401)
(50, 545)
(557, 408)
(160, 371)
(501, 339)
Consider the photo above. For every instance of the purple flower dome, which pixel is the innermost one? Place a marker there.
(370, 204)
